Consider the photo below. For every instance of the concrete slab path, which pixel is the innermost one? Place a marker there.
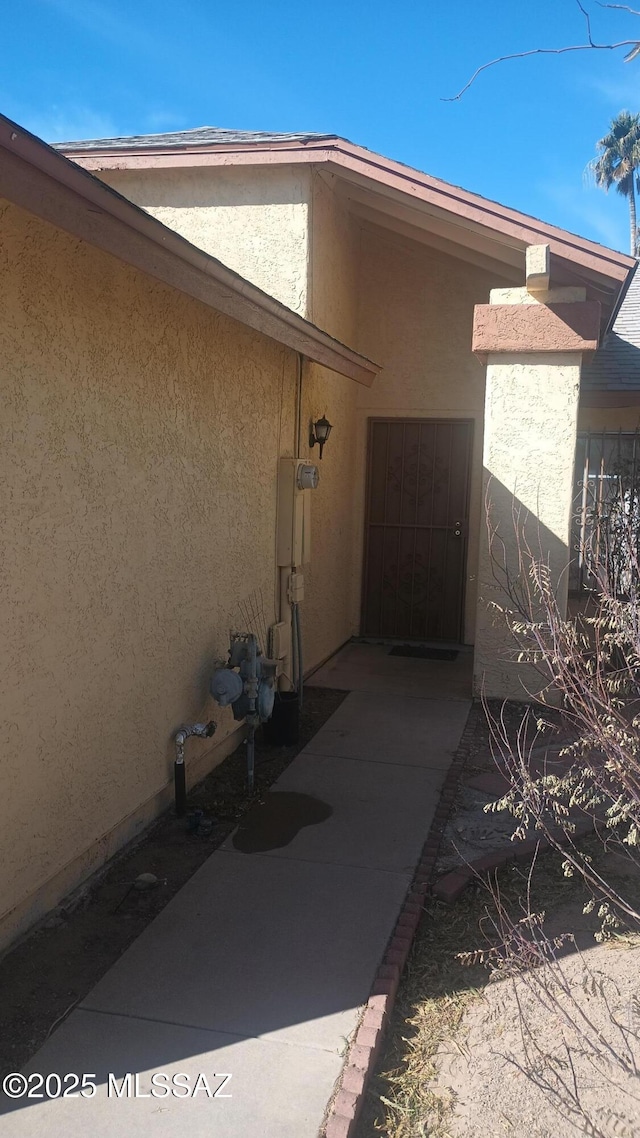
(259, 966)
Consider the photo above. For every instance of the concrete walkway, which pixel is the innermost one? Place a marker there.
(259, 966)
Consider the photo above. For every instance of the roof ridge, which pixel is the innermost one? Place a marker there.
(190, 135)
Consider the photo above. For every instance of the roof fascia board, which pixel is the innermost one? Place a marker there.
(348, 159)
(36, 178)
(512, 228)
(519, 224)
(187, 159)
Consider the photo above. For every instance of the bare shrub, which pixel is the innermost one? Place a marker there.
(565, 763)
(592, 663)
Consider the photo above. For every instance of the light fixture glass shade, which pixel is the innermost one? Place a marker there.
(319, 433)
(322, 428)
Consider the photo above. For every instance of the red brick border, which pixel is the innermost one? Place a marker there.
(449, 887)
(343, 1111)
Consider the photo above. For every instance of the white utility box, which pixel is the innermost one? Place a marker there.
(296, 478)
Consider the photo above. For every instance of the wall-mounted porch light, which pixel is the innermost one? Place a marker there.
(319, 433)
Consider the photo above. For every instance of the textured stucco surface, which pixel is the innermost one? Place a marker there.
(254, 219)
(141, 440)
(289, 230)
(529, 447)
(407, 306)
(416, 319)
(328, 612)
(553, 327)
(141, 434)
(609, 419)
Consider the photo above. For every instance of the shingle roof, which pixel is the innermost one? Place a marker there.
(616, 364)
(200, 136)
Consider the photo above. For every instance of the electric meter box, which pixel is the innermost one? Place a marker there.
(296, 477)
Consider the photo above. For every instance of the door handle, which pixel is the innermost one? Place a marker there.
(457, 529)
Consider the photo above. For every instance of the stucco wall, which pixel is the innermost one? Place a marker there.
(256, 219)
(406, 306)
(609, 419)
(141, 434)
(335, 249)
(289, 230)
(415, 319)
(529, 447)
(327, 612)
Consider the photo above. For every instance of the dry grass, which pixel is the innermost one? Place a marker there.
(434, 993)
(404, 1100)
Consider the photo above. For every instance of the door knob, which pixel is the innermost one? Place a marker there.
(457, 529)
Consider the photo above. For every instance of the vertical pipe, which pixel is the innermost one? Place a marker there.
(294, 646)
(299, 656)
(288, 673)
(251, 758)
(297, 642)
(180, 784)
(298, 439)
(253, 692)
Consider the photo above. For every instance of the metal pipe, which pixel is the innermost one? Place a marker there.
(180, 787)
(252, 692)
(297, 639)
(298, 439)
(251, 758)
(202, 731)
(294, 647)
(284, 682)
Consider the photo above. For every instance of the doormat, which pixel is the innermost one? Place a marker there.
(418, 652)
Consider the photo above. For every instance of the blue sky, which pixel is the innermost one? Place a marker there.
(372, 72)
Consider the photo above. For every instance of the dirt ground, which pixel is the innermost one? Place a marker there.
(554, 1052)
(50, 970)
(477, 1051)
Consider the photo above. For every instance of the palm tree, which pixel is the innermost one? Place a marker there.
(618, 162)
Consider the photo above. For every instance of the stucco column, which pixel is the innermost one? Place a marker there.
(533, 343)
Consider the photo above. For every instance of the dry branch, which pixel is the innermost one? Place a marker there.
(590, 45)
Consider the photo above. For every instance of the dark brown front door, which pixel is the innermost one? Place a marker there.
(416, 528)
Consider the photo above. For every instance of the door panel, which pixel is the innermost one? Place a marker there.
(416, 528)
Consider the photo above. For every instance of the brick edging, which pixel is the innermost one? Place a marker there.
(344, 1110)
(451, 885)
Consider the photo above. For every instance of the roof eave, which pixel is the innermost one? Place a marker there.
(605, 265)
(37, 178)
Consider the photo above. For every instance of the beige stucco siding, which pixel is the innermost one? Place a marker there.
(609, 419)
(254, 219)
(334, 240)
(408, 307)
(289, 230)
(335, 248)
(415, 319)
(141, 434)
(530, 433)
(401, 303)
